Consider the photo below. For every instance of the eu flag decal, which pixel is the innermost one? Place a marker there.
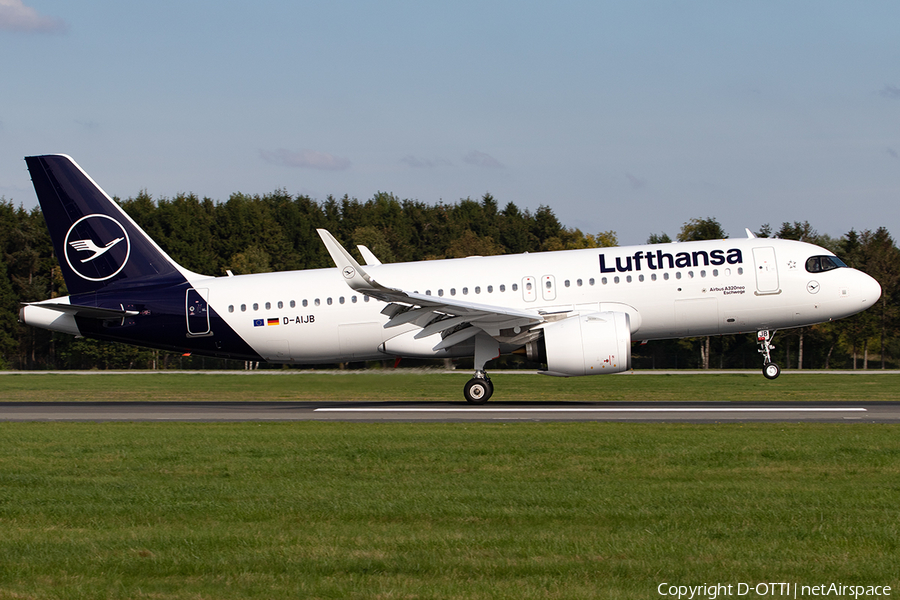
(258, 322)
(273, 321)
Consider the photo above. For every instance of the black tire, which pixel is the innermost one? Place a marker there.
(478, 391)
(771, 370)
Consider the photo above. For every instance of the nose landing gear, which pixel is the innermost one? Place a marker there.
(764, 338)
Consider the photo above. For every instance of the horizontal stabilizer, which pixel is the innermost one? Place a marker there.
(89, 312)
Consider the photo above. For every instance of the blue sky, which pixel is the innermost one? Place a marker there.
(629, 116)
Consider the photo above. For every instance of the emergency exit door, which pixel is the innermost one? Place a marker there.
(766, 270)
(197, 312)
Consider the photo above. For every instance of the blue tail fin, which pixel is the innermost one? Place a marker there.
(97, 244)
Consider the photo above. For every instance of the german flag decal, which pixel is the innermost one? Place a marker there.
(272, 321)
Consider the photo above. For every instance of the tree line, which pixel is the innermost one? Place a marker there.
(276, 232)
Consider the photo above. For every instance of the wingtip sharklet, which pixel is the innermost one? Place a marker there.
(355, 276)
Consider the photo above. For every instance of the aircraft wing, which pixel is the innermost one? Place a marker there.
(456, 320)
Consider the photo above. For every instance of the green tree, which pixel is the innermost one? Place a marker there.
(701, 229)
(659, 238)
(252, 260)
(470, 244)
(797, 231)
(375, 240)
(8, 323)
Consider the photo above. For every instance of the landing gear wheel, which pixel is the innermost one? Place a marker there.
(764, 339)
(478, 390)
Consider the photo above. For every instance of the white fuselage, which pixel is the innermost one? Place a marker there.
(668, 290)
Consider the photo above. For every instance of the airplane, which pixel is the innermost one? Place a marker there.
(575, 311)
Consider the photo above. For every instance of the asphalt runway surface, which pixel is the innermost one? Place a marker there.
(672, 412)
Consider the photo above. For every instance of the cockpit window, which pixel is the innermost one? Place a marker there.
(820, 264)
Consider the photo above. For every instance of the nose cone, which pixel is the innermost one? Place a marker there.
(869, 290)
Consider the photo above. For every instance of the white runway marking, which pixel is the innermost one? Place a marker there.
(588, 409)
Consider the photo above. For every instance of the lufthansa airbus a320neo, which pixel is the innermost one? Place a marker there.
(576, 311)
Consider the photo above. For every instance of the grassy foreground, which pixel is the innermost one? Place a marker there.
(413, 385)
(529, 510)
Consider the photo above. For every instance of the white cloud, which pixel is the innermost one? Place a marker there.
(89, 125)
(424, 163)
(636, 183)
(305, 159)
(890, 91)
(15, 16)
(480, 159)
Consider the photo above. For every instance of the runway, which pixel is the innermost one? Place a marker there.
(674, 412)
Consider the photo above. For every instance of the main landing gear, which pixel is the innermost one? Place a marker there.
(479, 389)
(764, 338)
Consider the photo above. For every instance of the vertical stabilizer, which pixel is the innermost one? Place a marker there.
(97, 244)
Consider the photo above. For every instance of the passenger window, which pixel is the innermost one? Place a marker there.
(305, 303)
(640, 277)
(293, 304)
(318, 302)
(652, 276)
(477, 289)
(280, 304)
(628, 279)
(604, 280)
(465, 291)
(579, 283)
(243, 308)
(328, 301)
(441, 293)
(452, 291)
(341, 299)
(353, 299)
(678, 275)
(666, 276)
(515, 287)
(268, 306)
(231, 308)
(591, 281)
(566, 283)
(255, 306)
(502, 288)
(740, 270)
(616, 279)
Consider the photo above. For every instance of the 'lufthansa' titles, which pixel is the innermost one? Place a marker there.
(666, 260)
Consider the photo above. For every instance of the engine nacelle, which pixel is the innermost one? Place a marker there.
(590, 344)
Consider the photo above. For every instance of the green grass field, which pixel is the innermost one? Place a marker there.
(398, 510)
(416, 385)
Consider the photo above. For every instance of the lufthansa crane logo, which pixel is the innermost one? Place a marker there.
(97, 247)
